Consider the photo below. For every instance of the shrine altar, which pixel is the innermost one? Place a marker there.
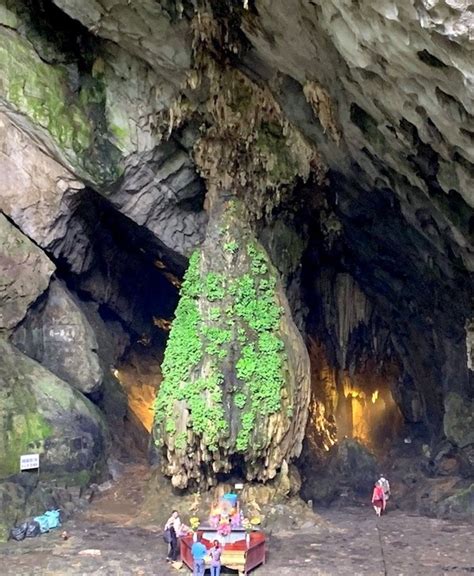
(241, 551)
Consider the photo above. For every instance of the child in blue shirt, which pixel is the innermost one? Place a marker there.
(199, 552)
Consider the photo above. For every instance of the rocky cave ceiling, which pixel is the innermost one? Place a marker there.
(346, 127)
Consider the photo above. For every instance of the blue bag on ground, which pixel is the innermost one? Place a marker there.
(54, 518)
(48, 520)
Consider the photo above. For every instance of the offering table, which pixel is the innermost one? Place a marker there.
(238, 552)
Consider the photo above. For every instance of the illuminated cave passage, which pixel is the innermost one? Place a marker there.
(359, 406)
(256, 211)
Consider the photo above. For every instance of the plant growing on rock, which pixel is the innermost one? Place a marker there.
(227, 372)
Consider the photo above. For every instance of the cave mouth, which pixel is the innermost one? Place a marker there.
(357, 379)
(122, 140)
(354, 384)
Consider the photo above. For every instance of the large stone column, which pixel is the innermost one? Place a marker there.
(235, 392)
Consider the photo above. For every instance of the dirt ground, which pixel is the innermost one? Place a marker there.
(114, 537)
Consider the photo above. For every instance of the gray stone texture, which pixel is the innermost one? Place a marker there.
(40, 196)
(24, 274)
(39, 413)
(58, 335)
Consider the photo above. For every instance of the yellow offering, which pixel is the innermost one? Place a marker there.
(194, 522)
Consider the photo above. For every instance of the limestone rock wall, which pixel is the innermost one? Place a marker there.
(398, 89)
(100, 112)
(156, 32)
(24, 275)
(40, 195)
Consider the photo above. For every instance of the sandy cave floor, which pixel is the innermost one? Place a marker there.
(345, 542)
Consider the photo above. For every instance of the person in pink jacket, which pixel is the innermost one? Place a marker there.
(378, 499)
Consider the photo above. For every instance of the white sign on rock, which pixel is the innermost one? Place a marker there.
(29, 461)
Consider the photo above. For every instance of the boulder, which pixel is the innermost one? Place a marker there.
(459, 420)
(459, 505)
(24, 274)
(59, 336)
(447, 498)
(39, 413)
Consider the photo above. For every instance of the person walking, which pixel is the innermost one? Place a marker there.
(174, 525)
(384, 483)
(378, 499)
(199, 553)
(215, 553)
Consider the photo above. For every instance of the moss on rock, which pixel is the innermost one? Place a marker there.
(235, 373)
(38, 90)
(459, 419)
(42, 414)
(458, 505)
(71, 112)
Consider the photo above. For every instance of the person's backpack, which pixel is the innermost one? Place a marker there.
(384, 484)
(167, 536)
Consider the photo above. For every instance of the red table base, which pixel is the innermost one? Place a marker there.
(238, 555)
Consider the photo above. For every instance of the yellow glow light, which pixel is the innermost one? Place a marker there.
(375, 396)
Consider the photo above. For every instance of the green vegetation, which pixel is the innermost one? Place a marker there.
(180, 441)
(260, 366)
(231, 247)
(184, 352)
(214, 286)
(244, 322)
(27, 429)
(184, 348)
(240, 399)
(216, 337)
(214, 314)
(38, 89)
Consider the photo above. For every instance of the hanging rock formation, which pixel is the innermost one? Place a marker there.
(236, 373)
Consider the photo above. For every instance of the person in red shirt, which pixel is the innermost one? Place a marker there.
(378, 499)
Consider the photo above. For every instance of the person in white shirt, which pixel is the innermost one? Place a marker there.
(174, 525)
(384, 484)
